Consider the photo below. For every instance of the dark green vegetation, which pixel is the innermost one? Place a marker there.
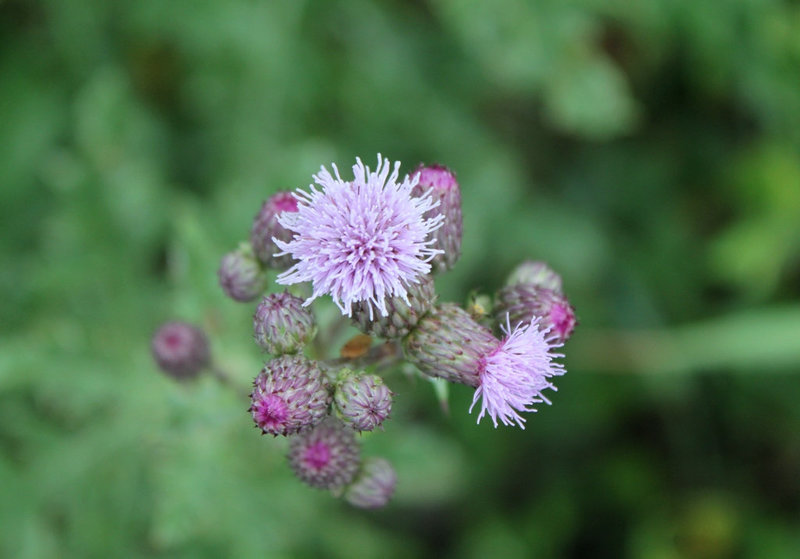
(649, 150)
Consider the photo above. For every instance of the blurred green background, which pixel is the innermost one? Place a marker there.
(649, 150)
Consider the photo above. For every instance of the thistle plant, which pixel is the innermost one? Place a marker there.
(373, 244)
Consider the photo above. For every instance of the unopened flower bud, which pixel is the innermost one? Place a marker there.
(180, 350)
(282, 324)
(374, 485)
(240, 275)
(523, 302)
(479, 305)
(266, 226)
(536, 273)
(447, 343)
(444, 187)
(289, 394)
(402, 316)
(326, 456)
(363, 401)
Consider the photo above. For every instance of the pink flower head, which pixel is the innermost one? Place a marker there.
(513, 376)
(363, 240)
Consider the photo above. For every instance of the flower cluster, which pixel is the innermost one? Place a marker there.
(373, 243)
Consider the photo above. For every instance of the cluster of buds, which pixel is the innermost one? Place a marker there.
(320, 408)
(373, 244)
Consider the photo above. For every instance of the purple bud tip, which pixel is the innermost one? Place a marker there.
(526, 302)
(270, 413)
(266, 228)
(326, 456)
(180, 349)
(317, 456)
(562, 318)
(283, 202)
(436, 176)
(443, 187)
(289, 394)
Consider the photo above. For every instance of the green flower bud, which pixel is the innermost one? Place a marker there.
(402, 316)
(537, 273)
(362, 401)
(282, 324)
(449, 344)
(240, 275)
(374, 485)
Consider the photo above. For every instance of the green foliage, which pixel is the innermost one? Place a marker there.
(648, 150)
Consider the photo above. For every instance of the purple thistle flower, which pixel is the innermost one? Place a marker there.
(362, 240)
(513, 376)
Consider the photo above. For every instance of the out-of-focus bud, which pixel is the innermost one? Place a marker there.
(266, 226)
(362, 401)
(374, 485)
(180, 350)
(535, 272)
(402, 317)
(522, 302)
(449, 344)
(282, 324)
(289, 394)
(479, 305)
(240, 275)
(444, 187)
(326, 456)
